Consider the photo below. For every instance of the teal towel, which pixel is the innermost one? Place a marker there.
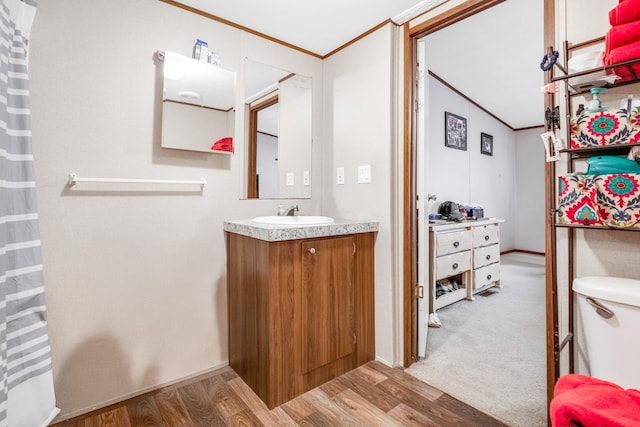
(605, 165)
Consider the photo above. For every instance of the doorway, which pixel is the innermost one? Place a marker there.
(415, 197)
(262, 149)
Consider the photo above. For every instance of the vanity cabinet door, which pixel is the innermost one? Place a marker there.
(327, 309)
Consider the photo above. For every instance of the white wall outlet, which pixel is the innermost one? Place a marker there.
(340, 176)
(306, 179)
(364, 174)
(289, 179)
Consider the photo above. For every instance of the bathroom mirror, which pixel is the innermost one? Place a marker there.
(198, 105)
(277, 133)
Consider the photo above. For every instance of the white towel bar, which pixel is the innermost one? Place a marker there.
(74, 179)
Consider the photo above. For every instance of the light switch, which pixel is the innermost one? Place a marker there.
(289, 179)
(364, 174)
(340, 176)
(305, 178)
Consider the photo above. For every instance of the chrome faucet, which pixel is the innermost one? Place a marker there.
(290, 211)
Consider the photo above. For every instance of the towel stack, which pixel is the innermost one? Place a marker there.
(622, 42)
(593, 402)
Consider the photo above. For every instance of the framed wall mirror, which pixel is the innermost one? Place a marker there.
(198, 105)
(278, 111)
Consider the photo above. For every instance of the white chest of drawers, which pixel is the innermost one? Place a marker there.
(486, 257)
(464, 259)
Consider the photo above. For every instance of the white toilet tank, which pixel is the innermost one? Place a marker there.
(609, 313)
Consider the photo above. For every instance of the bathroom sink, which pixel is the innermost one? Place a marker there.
(294, 220)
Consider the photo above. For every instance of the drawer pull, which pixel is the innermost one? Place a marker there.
(486, 237)
(456, 244)
(312, 251)
(488, 257)
(488, 277)
(455, 266)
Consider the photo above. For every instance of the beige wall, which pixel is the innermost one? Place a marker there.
(467, 176)
(529, 196)
(135, 276)
(359, 117)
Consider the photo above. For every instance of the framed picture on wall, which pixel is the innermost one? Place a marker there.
(486, 144)
(455, 131)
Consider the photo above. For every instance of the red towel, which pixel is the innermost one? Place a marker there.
(622, 54)
(622, 35)
(593, 402)
(223, 144)
(625, 12)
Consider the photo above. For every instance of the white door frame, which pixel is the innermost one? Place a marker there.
(422, 110)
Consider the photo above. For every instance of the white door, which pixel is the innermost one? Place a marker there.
(422, 200)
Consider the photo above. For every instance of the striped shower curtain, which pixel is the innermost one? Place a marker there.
(26, 380)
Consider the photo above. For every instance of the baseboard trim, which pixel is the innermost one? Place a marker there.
(384, 362)
(523, 251)
(197, 376)
(526, 256)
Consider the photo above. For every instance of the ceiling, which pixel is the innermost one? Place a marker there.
(492, 58)
(316, 26)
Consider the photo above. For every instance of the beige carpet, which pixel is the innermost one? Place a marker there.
(490, 353)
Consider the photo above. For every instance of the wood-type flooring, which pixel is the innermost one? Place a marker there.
(371, 395)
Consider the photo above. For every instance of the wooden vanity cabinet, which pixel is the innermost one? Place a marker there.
(300, 311)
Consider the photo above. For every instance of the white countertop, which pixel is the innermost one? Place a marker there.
(277, 232)
(441, 225)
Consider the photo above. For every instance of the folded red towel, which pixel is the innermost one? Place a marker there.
(622, 54)
(593, 402)
(625, 12)
(622, 35)
(223, 144)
